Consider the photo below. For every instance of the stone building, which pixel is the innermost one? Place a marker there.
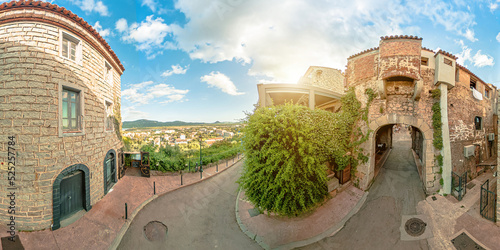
(60, 101)
(403, 73)
(320, 87)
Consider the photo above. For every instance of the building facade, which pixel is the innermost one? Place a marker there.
(60, 103)
(404, 74)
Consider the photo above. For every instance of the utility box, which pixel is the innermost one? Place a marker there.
(491, 137)
(469, 150)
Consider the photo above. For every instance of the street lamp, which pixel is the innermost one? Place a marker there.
(201, 167)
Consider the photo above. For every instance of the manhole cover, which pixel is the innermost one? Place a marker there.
(155, 231)
(415, 227)
(464, 242)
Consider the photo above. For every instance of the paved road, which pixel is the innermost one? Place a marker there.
(395, 192)
(200, 216)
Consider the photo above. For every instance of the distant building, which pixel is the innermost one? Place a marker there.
(228, 134)
(213, 140)
(182, 137)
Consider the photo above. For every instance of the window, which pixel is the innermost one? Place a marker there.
(109, 116)
(424, 61)
(448, 62)
(472, 84)
(70, 110)
(108, 73)
(487, 93)
(70, 47)
(478, 122)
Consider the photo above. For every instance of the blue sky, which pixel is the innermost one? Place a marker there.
(200, 60)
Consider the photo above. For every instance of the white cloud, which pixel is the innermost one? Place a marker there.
(176, 70)
(281, 46)
(493, 6)
(131, 114)
(444, 13)
(121, 25)
(481, 60)
(103, 32)
(221, 81)
(478, 60)
(150, 3)
(148, 36)
(92, 6)
(145, 92)
(498, 37)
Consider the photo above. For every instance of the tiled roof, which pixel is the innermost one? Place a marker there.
(63, 11)
(400, 37)
(469, 72)
(362, 52)
(427, 49)
(446, 54)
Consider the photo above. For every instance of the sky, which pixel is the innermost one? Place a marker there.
(201, 60)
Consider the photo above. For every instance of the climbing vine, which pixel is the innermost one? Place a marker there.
(286, 148)
(437, 127)
(117, 118)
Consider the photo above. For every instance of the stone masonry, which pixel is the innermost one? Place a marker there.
(31, 73)
(403, 80)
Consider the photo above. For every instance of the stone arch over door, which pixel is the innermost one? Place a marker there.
(56, 194)
(428, 147)
(105, 169)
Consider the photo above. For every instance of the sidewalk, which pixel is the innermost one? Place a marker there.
(450, 217)
(285, 233)
(99, 227)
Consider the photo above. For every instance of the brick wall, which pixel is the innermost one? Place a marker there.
(30, 73)
(400, 57)
(462, 108)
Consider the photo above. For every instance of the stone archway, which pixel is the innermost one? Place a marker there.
(56, 193)
(427, 153)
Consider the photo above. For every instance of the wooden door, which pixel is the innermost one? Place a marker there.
(72, 187)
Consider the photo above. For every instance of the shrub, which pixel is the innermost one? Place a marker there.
(284, 171)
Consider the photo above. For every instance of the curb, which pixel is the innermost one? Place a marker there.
(327, 233)
(116, 242)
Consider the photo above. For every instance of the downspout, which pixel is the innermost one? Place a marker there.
(446, 151)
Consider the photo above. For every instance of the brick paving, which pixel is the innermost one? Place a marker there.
(98, 228)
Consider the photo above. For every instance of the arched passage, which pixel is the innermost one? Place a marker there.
(67, 183)
(421, 136)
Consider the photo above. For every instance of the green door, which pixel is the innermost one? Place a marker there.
(110, 170)
(71, 194)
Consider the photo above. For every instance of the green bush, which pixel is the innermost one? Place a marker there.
(283, 171)
(286, 149)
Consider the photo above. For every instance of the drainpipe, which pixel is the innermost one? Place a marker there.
(446, 151)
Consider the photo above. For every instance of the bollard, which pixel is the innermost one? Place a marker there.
(181, 179)
(201, 174)
(227, 160)
(217, 168)
(154, 187)
(126, 216)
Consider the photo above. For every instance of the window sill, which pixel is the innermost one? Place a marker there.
(73, 133)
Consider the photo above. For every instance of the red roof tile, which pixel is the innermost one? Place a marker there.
(60, 10)
(364, 51)
(400, 37)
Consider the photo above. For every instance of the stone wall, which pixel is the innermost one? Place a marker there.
(327, 78)
(31, 71)
(462, 108)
